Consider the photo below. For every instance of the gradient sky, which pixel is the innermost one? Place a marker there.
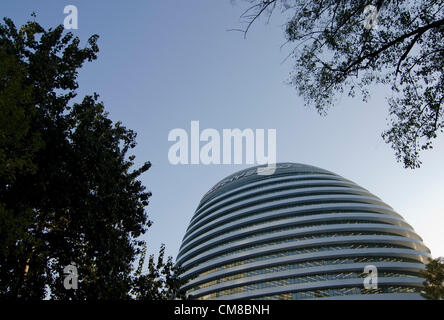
(165, 63)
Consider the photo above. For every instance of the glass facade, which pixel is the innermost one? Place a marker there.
(301, 233)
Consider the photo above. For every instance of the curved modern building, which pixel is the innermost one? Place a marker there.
(300, 233)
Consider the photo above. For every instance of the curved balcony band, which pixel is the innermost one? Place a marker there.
(300, 233)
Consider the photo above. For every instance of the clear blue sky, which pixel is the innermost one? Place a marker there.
(165, 63)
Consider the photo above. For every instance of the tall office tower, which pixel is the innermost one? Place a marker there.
(300, 233)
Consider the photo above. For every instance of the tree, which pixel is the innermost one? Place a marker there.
(69, 192)
(335, 53)
(17, 143)
(161, 281)
(434, 283)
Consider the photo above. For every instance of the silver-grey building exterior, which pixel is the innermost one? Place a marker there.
(300, 233)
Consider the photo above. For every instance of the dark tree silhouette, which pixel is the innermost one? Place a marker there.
(69, 192)
(335, 54)
(434, 275)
